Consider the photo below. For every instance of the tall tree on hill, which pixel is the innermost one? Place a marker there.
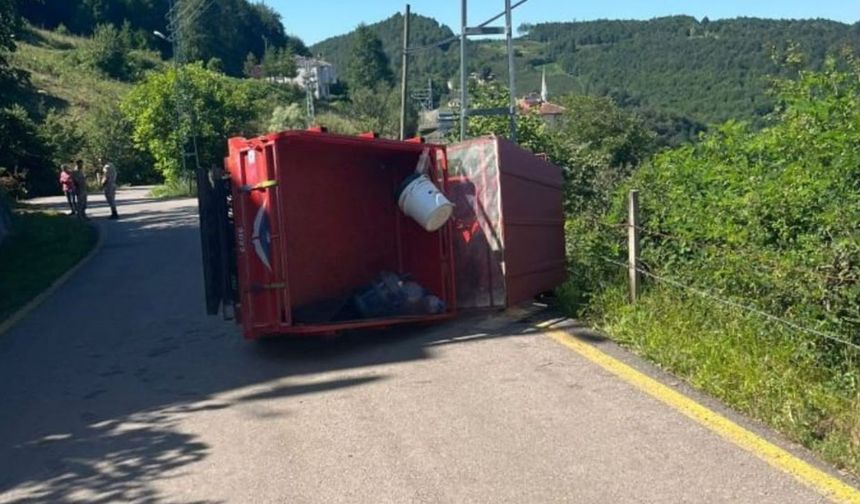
(8, 27)
(278, 63)
(24, 159)
(368, 65)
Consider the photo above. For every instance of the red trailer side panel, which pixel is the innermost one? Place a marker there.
(533, 218)
(316, 219)
(509, 225)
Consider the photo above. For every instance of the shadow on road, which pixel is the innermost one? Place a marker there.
(95, 382)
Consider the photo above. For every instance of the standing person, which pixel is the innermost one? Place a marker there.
(80, 180)
(109, 186)
(68, 184)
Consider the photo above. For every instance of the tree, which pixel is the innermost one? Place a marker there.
(598, 125)
(221, 107)
(10, 78)
(368, 65)
(532, 132)
(215, 65)
(603, 144)
(62, 136)
(108, 51)
(249, 68)
(278, 62)
(377, 109)
(287, 117)
(25, 160)
(107, 134)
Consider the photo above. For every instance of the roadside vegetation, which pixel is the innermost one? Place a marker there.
(768, 220)
(42, 246)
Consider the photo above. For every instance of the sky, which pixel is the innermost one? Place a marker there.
(314, 21)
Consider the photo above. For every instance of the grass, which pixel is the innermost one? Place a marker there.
(174, 189)
(42, 247)
(52, 60)
(766, 371)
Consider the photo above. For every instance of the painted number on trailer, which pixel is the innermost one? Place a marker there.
(240, 237)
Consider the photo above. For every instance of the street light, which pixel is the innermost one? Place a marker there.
(160, 35)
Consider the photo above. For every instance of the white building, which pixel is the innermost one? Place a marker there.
(318, 74)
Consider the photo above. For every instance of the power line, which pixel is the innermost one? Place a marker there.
(734, 304)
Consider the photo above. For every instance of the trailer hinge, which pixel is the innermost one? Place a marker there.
(266, 184)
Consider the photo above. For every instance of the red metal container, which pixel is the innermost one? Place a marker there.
(316, 218)
(509, 224)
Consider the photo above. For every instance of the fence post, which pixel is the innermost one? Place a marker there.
(633, 243)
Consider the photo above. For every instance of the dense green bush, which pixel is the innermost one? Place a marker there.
(218, 107)
(287, 117)
(107, 52)
(771, 217)
(603, 145)
(62, 135)
(107, 134)
(26, 165)
(378, 109)
(767, 219)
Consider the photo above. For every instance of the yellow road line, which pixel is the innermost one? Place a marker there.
(824, 483)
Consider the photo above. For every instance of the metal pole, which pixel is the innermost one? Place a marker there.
(511, 69)
(178, 57)
(405, 72)
(463, 104)
(633, 243)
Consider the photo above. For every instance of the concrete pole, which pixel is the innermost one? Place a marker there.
(404, 74)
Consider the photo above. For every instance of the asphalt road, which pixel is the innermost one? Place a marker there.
(118, 388)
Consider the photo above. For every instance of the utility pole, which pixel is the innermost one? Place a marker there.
(310, 80)
(404, 74)
(181, 15)
(482, 30)
(463, 105)
(511, 70)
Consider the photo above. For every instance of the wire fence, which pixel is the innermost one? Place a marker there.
(746, 307)
(819, 272)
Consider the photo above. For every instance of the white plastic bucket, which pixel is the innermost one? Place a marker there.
(422, 201)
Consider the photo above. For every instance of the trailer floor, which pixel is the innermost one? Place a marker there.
(119, 388)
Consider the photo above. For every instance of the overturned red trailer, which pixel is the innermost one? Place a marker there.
(306, 233)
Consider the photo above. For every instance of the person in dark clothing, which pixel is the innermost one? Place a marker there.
(80, 180)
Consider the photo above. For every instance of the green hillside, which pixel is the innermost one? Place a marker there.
(705, 71)
(438, 63)
(61, 80)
